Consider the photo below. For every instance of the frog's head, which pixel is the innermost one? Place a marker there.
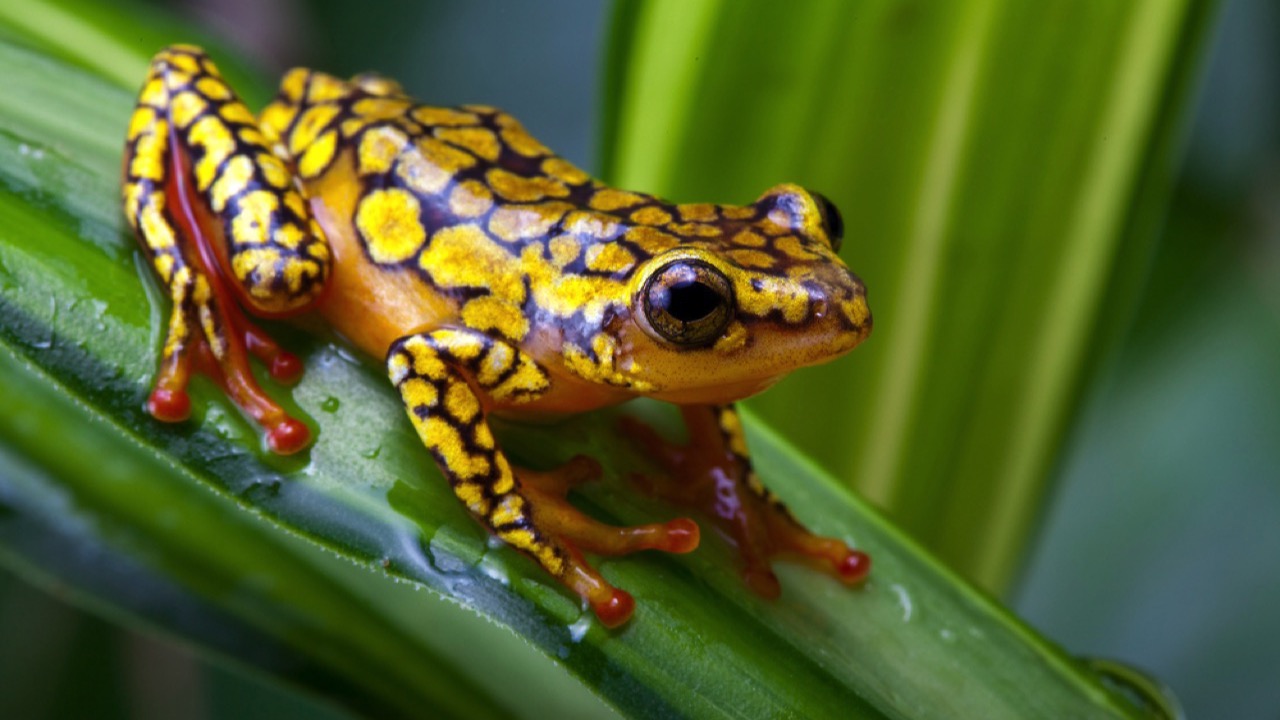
(721, 318)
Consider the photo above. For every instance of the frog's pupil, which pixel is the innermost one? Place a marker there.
(692, 300)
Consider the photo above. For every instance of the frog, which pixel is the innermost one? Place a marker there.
(494, 279)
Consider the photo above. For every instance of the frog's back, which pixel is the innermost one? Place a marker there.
(450, 211)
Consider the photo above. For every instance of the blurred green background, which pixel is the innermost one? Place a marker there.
(1161, 545)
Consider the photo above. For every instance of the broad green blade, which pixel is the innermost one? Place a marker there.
(325, 553)
(1000, 166)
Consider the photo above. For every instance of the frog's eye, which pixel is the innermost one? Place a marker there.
(832, 223)
(688, 302)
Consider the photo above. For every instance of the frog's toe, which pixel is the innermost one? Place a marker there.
(554, 515)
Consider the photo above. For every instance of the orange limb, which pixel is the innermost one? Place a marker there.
(712, 473)
(547, 493)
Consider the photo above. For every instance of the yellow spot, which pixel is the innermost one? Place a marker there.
(461, 402)
(214, 135)
(182, 61)
(153, 93)
(609, 200)
(421, 176)
(443, 116)
(750, 258)
(425, 361)
(252, 222)
(293, 84)
(512, 223)
(324, 88)
(856, 310)
(651, 215)
(564, 171)
(158, 233)
(527, 380)
(352, 126)
(253, 137)
(609, 257)
(445, 156)
(510, 509)
(734, 338)
(480, 141)
(277, 117)
(484, 439)
(564, 250)
(472, 495)
(521, 539)
(309, 126)
(140, 121)
(773, 294)
(517, 188)
(293, 200)
(490, 313)
(288, 236)
(464, 256)
(651, 240)
(738, 212)
(164, 266)
(419, 393)
(318, 155)
(388, 222)
(380, 108)
(148, 154)
(697, 212)
(379, 149)
(463, 345)
(696, 230)
(496, 362)
(792, 247)
(749, 239)
(213, 88)
(234, 180)
(237, 113)
(274, 171)
(592, 224)
(470, 199)
(522, 142)
(185, 107)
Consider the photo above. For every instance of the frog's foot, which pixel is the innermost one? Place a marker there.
(712, 473)
(575, 532)
(187, 352)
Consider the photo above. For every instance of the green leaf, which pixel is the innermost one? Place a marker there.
(314, 552)
(1001, 167)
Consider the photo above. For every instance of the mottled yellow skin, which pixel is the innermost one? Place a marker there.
(491, 274)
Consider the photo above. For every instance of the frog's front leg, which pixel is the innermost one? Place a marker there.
(713, 473)
(448, 378)
(224, 223)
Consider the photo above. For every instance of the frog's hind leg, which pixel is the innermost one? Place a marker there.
(224, 224)
(713, 473)
(438, 374)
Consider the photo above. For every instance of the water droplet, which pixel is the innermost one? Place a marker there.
(372, 454)
(330, 404)
(1148, 695)
(578, 629)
